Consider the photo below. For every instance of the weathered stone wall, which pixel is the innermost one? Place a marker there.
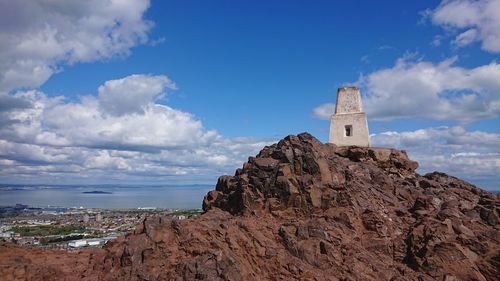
(348, 112)
(359, 125)
(348, 100)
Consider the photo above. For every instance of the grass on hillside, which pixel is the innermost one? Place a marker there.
(188, 213)
(46, 230)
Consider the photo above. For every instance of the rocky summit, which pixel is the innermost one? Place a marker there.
(301, 210)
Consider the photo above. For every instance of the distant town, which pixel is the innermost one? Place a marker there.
(74, 228)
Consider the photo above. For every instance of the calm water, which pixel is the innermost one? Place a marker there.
(120, 197)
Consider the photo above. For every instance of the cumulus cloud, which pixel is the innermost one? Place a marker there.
(8, 103)
(123, 116)
(465, 38)
(324, 111)
(466, 154)
(38, 36)
(472, 19)
(422, 89)
(122, 131)
(133, 93)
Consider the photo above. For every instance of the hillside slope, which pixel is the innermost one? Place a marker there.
(302, 210)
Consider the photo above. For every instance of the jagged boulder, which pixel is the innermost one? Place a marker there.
(302, 174)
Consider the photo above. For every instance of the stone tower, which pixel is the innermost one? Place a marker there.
(348, 125)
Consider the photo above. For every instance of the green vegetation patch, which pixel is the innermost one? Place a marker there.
(46, 240)
(188, 213)
(46, 230)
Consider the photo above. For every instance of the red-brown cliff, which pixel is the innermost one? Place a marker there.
(302, 210)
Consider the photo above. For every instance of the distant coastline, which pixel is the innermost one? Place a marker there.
(97, 192)
(8, 188)
(107, 196)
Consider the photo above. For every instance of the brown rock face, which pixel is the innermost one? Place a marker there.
(302, 210)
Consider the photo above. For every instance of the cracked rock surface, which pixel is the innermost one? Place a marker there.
(302, 210)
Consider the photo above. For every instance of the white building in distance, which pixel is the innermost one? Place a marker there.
(348, 125)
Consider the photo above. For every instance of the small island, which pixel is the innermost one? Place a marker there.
(97, 192)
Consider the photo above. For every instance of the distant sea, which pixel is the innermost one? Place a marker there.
(107, 196)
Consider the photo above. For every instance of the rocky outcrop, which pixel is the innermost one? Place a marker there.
(301, 175)
(302, 210)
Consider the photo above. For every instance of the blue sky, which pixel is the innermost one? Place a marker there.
(227, 77)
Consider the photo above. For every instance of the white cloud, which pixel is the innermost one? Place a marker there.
(465, 38)
(124, 116)
(133, 93)
(465, 154)
(474, 19)
(422, 89)
(324, 111)
(436, 41)
(120, 134)
(38, 36)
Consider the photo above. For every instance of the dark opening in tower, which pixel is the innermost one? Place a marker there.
(348, 130)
